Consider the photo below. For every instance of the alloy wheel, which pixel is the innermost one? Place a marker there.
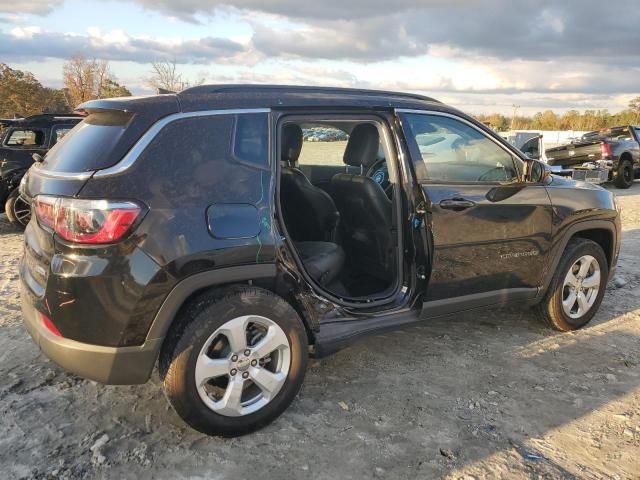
(22, 211)
(243, 365)
(581, 286)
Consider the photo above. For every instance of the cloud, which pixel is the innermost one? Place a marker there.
(469, 50)
(26, 43)
(34, 7)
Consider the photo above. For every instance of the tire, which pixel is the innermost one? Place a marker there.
(552, 310)
(184, 350)
(18, 211)
(624, 179)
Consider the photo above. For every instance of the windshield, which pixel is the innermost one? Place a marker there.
(88, 145)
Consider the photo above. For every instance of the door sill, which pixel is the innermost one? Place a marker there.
(437, 308)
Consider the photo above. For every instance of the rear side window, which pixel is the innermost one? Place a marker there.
(89, 145)
(25, 138)
(202, 161)
(251, 139)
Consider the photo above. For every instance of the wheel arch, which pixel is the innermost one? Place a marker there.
(601, 236)
(192, 287)
(626, 156)
(602, 232)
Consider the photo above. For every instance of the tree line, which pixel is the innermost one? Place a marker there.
(21, 95)
(588, 120)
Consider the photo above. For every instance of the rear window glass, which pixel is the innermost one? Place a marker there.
(88, 146)
(25, 138)
(59, 132)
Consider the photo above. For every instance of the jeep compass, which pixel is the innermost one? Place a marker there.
(226, 233)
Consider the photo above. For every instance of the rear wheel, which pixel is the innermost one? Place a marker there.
(238, 362)
(17, 209)
(624, 179)
(577, 287)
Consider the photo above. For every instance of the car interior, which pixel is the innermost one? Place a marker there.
(337, 205)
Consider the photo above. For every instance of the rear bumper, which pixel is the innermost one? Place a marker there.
(110, 365)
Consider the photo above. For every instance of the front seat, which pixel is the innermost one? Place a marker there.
(309, 214)
(365, 210)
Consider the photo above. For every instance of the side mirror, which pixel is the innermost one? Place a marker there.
(535, 171)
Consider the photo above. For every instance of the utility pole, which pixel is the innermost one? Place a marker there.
(513, 119)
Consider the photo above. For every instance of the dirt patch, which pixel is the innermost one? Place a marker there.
(490, 394)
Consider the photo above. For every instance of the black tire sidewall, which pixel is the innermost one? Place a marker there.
(620, 180)
(180, 380)
(577, 250)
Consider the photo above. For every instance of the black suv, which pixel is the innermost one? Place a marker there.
(20, 139)
(201, 231)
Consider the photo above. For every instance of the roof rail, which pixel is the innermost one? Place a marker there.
(45, 116)
(257, 88)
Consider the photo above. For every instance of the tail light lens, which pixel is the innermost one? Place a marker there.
(605, 150)
(86, 221)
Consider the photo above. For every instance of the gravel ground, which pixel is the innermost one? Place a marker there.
(490, 394)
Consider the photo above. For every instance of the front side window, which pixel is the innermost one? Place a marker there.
(452, 151)
(25, 138)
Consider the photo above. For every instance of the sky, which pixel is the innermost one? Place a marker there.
(480, 56)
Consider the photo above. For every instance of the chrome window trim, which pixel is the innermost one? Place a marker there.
(37, 169)
(475, 127)
(132, 155)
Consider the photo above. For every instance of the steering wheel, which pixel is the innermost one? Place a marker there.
(380, 174)
(496, 174)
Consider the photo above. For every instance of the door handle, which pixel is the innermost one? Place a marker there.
(456, 204)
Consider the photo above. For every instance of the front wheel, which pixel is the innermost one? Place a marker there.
(235, 362)
(577, 287)
(17, 209)
(624, 179)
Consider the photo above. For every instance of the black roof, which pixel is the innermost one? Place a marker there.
(214, 97)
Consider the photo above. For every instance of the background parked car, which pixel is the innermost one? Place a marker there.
(20, 139)
(616, 151)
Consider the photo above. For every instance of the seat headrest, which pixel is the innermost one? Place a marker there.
(291, 143)
(362, 148)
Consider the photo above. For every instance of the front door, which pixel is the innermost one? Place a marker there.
(491, 230)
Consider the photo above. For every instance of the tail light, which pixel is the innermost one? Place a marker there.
(605, 150)
(86, 221)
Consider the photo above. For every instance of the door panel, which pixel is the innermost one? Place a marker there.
(487, 238)
(491, 231)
